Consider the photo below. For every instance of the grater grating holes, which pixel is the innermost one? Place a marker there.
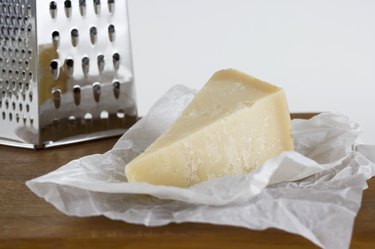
(17, 9)
(19, 21)
(96, 89)
(85, 66)
(116, 89)
(93, 35)
(54, 66)
(74, 37)
(116, 61)
(13, 20)
(88, 117)
(23, 32)
(101, 63)
(25, 21)
(111, 32)
(69, 64)
(72, 120)
(56, 38)
(120, 114)
(13, 41)
(111, 6)
(82, 7)
(17, 53)
(77, 94)
(97, 6)
(104, 115)
(56, 93)
(53, 9)
(29, 29)
(68, 8)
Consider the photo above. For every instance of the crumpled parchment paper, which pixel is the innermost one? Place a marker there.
(315, 191)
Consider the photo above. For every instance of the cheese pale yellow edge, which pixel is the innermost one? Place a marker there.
(232, 126)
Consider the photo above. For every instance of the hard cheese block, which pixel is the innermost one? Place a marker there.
(233, 125)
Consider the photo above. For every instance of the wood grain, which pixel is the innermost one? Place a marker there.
(27, 221)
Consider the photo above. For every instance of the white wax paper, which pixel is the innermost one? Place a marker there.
(315, 191)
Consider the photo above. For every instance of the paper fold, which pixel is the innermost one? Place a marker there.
(315, 191)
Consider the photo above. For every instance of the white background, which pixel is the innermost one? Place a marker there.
(321, 52)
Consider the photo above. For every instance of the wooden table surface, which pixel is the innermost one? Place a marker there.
(27, 221)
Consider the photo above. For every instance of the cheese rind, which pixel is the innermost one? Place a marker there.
(233, 125)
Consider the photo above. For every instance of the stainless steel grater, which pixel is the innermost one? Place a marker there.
(66, 71)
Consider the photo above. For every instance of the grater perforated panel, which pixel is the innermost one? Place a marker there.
(66, 71)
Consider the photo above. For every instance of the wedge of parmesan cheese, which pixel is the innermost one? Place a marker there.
(233, 125)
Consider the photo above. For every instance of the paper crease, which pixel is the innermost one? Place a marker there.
(315, 191)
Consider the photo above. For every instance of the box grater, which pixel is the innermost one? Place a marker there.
(66, 71)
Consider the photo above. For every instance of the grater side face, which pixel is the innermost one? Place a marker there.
(66, 72)
(19, 117)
